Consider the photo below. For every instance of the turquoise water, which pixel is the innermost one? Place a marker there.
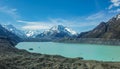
(87, 51)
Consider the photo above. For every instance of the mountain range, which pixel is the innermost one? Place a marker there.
(58, 31)
(105, 30)
(13, 58)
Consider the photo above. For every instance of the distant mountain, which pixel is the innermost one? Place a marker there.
(14, 30)
(4, 33)
(107, 30)
(32, 33)
(58, 31)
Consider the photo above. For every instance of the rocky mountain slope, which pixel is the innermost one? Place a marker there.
(14, 30)
(4, 33)
(106, 30)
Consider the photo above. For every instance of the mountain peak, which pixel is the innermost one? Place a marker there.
(118, 17)
(32, 33)
(105, 30)
(57, 27)
(58, 31)
(61, 28)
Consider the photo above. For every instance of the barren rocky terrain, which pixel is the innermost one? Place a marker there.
(13, 58)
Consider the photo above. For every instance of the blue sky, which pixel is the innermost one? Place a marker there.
(80, 15)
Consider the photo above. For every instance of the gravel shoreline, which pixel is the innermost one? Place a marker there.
(13, 58)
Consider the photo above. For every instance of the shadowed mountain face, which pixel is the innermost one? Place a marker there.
(107, 30)
(4, 33)
(14, 30)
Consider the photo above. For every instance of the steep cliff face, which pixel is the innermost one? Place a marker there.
(107, 30)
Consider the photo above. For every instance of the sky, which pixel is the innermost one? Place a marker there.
(79, 15)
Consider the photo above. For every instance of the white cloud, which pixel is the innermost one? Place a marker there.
(37, 25)
(115, 3)
(40, 25)
(9, 11)
(115, 11)
(95, 16)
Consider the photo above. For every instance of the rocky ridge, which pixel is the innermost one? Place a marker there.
(105, 30)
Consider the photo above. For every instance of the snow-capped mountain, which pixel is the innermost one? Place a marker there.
(58, 31)
(4, 33)
(14, 30)
(32, 33)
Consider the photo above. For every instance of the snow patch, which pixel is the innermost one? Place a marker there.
(32, 33)
(118, 16)
(71, 31)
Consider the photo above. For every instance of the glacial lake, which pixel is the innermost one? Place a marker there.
(71, 50)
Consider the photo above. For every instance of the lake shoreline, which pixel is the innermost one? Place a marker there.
(99, 41)
(13, 58)
(73, 50)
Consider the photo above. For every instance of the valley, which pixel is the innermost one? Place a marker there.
(106, 34)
